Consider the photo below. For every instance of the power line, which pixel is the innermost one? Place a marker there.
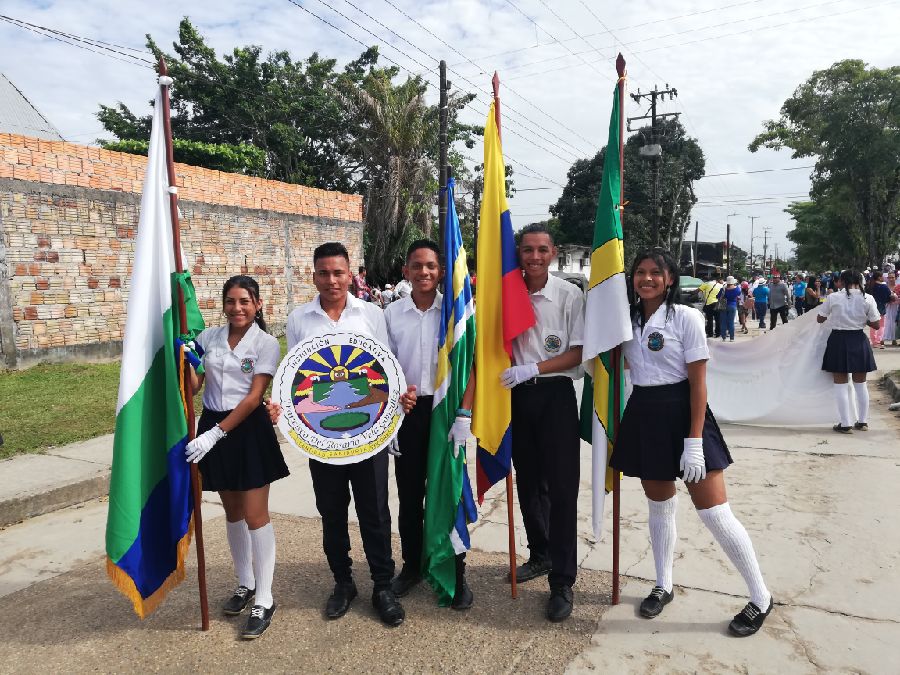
(737, 173)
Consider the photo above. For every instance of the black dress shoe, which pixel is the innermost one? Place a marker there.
(749, 620)
(403, 583)
(389, 608)
(239, 601)
(464, 597)
(653, 604)
(841, 429)
(531, 569)
(259, 620)
(559, 607)
(861, 426)
(340, 599)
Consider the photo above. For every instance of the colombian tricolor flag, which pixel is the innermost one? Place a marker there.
(502, 312)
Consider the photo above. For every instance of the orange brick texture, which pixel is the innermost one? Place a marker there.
(69, 217)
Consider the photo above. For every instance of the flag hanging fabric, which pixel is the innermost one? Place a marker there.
(607, 322)
(502, 312)
(148, 527)
(449, 506)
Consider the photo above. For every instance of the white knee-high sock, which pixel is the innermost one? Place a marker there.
(241, 552)
(662, 539)
(263, 563)
(862, 401)
(733, 538)
(842, 398)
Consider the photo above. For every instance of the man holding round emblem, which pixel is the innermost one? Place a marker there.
(413, 323)
(335, 309)
(546, 455)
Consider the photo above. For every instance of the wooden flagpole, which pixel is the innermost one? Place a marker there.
(617, 352)
(495, 83)
(182, 316)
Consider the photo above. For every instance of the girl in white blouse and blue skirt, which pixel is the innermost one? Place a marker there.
(848, 352)
(236, 446)
(667, 360)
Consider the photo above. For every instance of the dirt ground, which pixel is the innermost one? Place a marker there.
(78, 622)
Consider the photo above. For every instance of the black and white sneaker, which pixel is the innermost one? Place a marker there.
(236, 604)
(653, 604)
(259, 620)
(749, 620)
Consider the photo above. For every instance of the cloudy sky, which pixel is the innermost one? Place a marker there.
(733, 63)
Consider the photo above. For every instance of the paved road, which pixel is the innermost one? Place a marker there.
(819, 506)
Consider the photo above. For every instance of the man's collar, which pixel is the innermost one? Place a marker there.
(315, 305)
(410, 304)
(550, 289)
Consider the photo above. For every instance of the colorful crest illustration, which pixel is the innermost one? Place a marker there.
(340, 397)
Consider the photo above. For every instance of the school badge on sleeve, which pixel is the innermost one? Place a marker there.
(340, 397)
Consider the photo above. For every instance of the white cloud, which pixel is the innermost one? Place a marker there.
(727, 86)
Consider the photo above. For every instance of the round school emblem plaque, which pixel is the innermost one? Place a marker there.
(340, 397)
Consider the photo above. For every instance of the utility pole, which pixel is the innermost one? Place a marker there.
(442, 139)
(728, 248)
(765, 246)
(654, 150)
(752, 223)
(696, 230)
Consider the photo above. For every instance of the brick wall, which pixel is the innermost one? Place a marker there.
(68, 217)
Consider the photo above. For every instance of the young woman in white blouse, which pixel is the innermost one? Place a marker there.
(236, 446)
(848, 352)
(668, 431)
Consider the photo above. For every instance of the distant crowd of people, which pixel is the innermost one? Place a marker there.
(725, 300)
(361, 289)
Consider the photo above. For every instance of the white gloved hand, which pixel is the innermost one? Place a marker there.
(518, 374)
(198, 447)
(394, 447)
(693, 464)
(460, 432)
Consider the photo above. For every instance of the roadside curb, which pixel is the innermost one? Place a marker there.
(17, 509)
(892, 384)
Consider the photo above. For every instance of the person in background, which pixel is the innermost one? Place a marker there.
(761, 303)
(811, 296)
(882, 294)
(890, 315)
(745, 306)
(799, 289)
(387, 295)
(847, 352)
(709, 291)
(403, 289)
(360, 285)
(779, 299)
(730, 294)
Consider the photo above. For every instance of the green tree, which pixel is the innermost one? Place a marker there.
(243, 158)
(682, 162)
(848, 117)
(825, 235)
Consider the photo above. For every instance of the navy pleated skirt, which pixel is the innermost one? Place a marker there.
(651, 436)
(248, 457)
(848, 351)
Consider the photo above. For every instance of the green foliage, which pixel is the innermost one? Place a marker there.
(682, 163)
(848, 117)
(243, 158)
(825, 236)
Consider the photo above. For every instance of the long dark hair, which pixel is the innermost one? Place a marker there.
(673, 293)
(248, 284)
(851, 277)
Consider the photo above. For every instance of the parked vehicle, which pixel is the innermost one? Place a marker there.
(690, 291)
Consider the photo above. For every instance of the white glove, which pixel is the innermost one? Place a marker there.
(460, 432)
(693, 464)
(394, 447)
(198, 447)
(518, 374)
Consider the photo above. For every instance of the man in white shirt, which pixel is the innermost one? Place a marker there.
(545, 428)
(403, 289)
(335, 309)
(413, 324)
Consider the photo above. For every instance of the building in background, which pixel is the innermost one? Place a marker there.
(19, 116)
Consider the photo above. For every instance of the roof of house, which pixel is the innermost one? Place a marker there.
(19, 116)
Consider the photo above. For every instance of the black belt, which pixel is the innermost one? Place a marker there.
(545, 380)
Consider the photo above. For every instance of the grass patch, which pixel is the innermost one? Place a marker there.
(56, 404)
(52, 405)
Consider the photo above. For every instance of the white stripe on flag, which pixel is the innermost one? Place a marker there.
(606, 320)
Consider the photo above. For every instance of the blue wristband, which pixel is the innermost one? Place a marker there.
(462, 412)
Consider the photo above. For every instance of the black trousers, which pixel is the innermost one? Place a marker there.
(369, 480)
(799, 306)
(410, 469)
(713, 320)
(545, 449)
(774, 313)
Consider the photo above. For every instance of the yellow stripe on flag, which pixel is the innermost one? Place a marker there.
(606, 261)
